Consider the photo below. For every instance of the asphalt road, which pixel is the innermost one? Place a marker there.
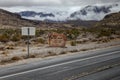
(116, 78)
(68, 67)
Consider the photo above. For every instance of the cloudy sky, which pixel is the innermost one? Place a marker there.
(21, 5)
(11, 3)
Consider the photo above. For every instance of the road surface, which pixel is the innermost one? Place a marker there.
(93, 65)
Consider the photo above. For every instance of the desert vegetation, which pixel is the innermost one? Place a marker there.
(72, 35)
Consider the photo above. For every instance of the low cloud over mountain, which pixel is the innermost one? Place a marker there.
(92, 12)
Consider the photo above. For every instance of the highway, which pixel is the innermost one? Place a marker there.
(92, 65)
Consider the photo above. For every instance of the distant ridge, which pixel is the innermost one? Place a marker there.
(12, 19)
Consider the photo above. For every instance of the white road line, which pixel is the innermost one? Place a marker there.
(3, 77)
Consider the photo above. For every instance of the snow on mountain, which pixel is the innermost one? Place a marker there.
(55, 16)
(94, 12)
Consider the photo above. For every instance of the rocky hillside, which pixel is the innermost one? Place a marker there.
(111, 20)
(13, 20)
(8, 19)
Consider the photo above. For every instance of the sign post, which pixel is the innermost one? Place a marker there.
(28, 31)
(28, 41)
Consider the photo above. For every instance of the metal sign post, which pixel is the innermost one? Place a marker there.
(28, 31)
(28, 42)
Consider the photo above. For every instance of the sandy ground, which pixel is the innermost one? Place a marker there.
(42, 51)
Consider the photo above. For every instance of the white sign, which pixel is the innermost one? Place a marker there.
(28, 31)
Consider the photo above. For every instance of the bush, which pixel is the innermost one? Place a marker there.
(105, 32)
(63, 52)
(74, 51)
(16, 37)
(4, 53)
(73, 43)
(10, 47)
(10, 34)
(84, 49)
(16, 58)
(32, 56)
(40, 40)
(4, 37)
(72, 34)
(40, 32)
(23, 50)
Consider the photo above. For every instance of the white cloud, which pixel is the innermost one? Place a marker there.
(68, 6)
(12, 3)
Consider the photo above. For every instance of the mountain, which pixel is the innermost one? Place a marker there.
(91, 12)
(110, 21)
(13, 20)
(44, 16)
(9, 19)
(33, 14)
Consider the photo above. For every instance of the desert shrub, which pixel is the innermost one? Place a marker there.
(84, 49)
(105, 40)
(33, 56)
(9, 47)
(2, 48)
(16, 58)
(73, 33)
(74, 51)
(10, 34)
(4, 53)
(23, 50)
(73, 43)
(16, 37)
(70, 36)
(104, 32)
(4, 37)
(40, 32)
(94, 40)
(40, 40)
(63, 52)
(81, 42)
(60, 31)
(78, 42)
(51, 53)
